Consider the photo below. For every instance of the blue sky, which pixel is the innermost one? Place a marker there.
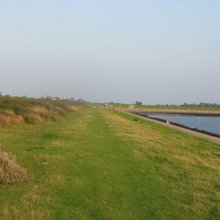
(122, 51)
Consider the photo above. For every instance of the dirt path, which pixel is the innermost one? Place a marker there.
(188, 131)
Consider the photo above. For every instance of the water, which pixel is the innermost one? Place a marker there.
(205, 123)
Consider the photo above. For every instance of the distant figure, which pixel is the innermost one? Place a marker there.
(167, 122)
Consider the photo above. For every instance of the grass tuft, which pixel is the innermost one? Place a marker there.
(10, 171)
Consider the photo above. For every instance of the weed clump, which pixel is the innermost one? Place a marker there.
(10, 171)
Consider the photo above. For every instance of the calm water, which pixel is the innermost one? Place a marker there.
(210, 124)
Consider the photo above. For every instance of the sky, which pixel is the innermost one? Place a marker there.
(154, 51)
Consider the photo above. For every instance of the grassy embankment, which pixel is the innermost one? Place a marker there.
(98, 164)
(16, 110)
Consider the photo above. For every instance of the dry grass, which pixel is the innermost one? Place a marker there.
(15, 111)
(73, 108)
(10, 171)
(8, 119)
(39, 110)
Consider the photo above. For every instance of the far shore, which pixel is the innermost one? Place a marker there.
(191, 112)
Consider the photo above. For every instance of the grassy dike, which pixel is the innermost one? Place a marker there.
(100, 164)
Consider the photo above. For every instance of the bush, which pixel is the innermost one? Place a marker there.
(10, 171)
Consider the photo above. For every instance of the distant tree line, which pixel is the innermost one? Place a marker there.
(188, 105)
(138, 103)
(202, 104)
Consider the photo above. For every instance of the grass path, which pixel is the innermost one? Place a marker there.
(99, 164)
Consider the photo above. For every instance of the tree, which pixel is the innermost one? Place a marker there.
(138, 103)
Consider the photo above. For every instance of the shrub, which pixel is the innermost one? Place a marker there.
(10, 171)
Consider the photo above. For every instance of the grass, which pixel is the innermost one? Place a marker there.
(20, 110)
(169, 107)
(101, 164)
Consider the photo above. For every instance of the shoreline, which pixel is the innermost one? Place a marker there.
(175, 112)
(202, 134)
(182, 126)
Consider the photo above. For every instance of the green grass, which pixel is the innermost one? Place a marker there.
(100, 164)
(169, 107)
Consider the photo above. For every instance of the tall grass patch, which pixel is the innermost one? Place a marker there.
(17, 110)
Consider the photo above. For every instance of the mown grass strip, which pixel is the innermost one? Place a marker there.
(99, 164)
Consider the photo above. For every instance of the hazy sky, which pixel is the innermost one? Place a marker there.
(156, 51)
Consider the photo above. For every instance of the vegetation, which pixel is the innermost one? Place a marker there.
(202, 105)
(185, 106)
(10, 171)
(138, 103)
(177, 107)
(16, 110)
(101, 164)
